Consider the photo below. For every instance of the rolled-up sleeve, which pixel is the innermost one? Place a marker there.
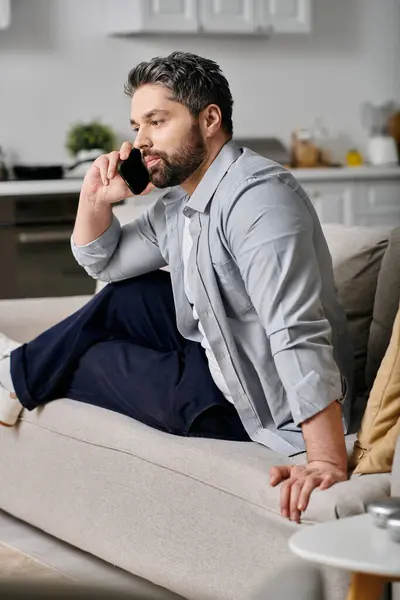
(122, 252)
(270, 230)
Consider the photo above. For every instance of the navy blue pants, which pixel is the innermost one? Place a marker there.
(122, 351)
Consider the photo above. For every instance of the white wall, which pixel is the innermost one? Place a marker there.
(57, 66)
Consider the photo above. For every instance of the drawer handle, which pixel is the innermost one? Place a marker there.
(44, 236)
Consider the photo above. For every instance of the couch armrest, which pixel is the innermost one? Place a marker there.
(24, 319)
(396, 471)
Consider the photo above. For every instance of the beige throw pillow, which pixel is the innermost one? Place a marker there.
(376, 441)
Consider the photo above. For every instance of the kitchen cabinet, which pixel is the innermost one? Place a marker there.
(333, 202)
(285, 16)
(35, 233)
(365, 201)
(232, 16)
(153, 16)
(209, 16)
(5, 13)
(378, 203)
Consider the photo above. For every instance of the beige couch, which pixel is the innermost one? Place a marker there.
(196, 516)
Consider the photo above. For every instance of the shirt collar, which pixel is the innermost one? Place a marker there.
(213, 176)
(210, 181)
(173, 194)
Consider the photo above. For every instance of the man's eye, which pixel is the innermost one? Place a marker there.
(155, 123)
(135, 129)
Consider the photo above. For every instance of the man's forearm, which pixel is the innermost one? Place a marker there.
(324, 437)
(327, 462)
(92, 220)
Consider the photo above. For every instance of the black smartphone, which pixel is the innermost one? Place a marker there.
(134, 173)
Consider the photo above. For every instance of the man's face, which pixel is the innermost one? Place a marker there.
(168, 136)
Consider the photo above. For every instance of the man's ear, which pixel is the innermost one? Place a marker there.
(211, 120)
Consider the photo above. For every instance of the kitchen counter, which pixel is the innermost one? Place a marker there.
(40, 188)
(71, 186)
(347, 173)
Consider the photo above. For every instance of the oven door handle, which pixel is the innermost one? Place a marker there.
(38, 237)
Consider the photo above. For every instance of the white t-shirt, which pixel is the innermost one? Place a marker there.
(215, 371)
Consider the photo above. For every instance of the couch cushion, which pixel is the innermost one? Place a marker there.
(196, 516)
(237, 468)
(357, 253)
(25, 318)
(386, 303)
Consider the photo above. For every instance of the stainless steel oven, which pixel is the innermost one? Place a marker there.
(35, 247)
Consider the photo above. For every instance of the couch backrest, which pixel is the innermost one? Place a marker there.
(357, 254)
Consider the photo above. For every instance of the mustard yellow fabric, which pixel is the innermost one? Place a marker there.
(376, 441)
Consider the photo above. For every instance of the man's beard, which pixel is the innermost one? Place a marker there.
(175, 168)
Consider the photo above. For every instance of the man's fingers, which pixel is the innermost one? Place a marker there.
(298, 485)
(295, 492)
(327, 482)
(125, 150)
(278, 474)
(285, 497)
(113, 160)
(102, 164)
(309, 485)
(108, 163)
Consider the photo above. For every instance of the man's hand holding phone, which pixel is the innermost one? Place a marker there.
(103, 183)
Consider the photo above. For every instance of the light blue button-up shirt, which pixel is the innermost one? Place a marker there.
(262, 282)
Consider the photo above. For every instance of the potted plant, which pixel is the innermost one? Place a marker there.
(86, 141)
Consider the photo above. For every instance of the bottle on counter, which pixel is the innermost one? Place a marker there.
(321, 139)
(304, 153)
(3, 166)
(354, 158)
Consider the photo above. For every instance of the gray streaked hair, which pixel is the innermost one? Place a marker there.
(194, 81)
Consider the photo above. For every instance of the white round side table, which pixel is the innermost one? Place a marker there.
(354, 544)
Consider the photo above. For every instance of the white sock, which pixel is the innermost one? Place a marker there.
(5, 374)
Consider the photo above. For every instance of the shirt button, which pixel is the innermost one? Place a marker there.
(206, 313)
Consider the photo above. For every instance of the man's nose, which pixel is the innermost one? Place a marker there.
(142, 141)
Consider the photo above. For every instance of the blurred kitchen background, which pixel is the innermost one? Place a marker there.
(316, 85)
